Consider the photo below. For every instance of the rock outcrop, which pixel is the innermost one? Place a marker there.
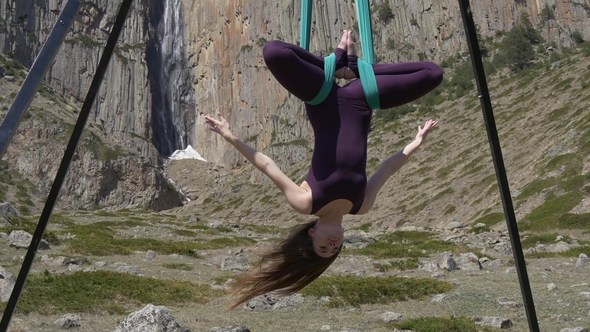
(150, 318)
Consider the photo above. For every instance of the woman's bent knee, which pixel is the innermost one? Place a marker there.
(436, 73)
(274, 49)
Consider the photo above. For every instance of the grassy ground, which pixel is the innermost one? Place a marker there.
(359, 289)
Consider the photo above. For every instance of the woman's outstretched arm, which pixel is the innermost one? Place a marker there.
(392, 165)
(299, 198)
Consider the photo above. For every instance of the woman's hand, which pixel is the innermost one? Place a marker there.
(424, 131)
(220, 126)
(299, 198)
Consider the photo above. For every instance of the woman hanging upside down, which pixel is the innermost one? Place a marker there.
(336, 184)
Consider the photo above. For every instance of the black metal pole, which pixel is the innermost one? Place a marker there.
(65, 163)
(35, 76)
(494, 141)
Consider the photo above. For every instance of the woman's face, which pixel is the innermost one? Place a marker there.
(327, 239)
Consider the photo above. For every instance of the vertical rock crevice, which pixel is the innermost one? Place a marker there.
(170, 75)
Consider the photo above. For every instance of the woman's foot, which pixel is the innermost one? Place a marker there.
(350, 50)
(343, 41)
(346, 42)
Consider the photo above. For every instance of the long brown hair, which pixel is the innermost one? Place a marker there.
(288, 267)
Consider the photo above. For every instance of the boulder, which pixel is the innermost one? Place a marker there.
(150, 319)
(6, 284)
(22, 239)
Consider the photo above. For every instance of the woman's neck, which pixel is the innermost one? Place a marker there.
(335, 210)
(331, 216)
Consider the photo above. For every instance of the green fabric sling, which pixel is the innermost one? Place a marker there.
(329, 61)
(367, 75)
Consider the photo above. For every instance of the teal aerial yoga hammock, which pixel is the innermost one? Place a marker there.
(367, 75)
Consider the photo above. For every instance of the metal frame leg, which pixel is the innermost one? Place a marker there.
(494, 141)
(63, 168)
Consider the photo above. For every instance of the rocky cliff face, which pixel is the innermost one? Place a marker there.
(102, 173)
(122, 110)
(123, 104)
(179, 60)
(226, 37)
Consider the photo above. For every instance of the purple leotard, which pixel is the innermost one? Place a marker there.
(341, 123)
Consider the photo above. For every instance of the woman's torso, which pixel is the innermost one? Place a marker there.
(338, 167)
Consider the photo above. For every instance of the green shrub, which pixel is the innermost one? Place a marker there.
(374, 161)
(109, 154)
(218, 208)
(252, 138)
(517, 49)
(570, 164)
(198, 226)
(296, 142)
(446, 192)
(103, 291)
(437, 324)
(531, 34)
(384, 12)
(532, 240)
(575, 183)
(178, 266)
(246, 48)
(84, 40)
(445, 171)
(535, 187)
(433, 98)
(405, 245)
(99, 239)
(402, 264)
(390, 44)
(462, 79)
(261, 41)
(585, 48)
(3, 190)
(490, 219)
(12, 67)
(546, 216)
(547, 13)
(574, 221)
(24, 210)
(554, 57)
(364, 227)
(577, 37)
(29, 225)
(450, 209)
(223, 229)
(355, 291)
(185, 232)
(124, 60)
